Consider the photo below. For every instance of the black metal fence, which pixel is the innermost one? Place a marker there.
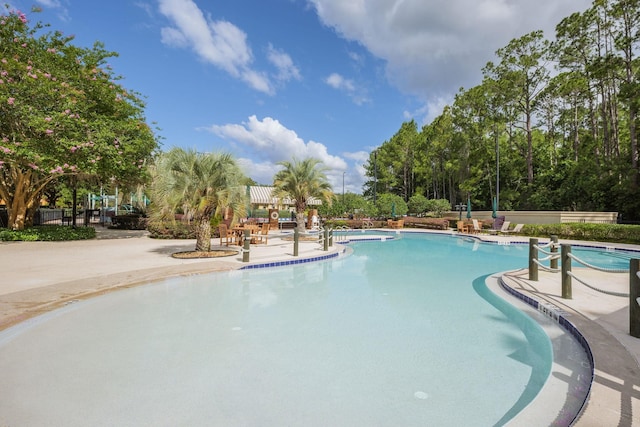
(59, 217)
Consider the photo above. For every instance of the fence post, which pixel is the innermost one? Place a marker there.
(634, 298)
(331, 237)
(565, 250)
(296, 238)
(554, 250)
(247, 244)
(533, 255)
(325, 243)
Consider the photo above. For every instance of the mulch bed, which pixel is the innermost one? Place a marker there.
(203, 254)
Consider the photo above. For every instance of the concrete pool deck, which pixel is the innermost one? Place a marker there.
(36, 277)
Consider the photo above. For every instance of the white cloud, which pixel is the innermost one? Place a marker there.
(271, 142)
(357, 94)
(432, 47)
(284, 65)
(260, 172)
(220, 43)
(336, 81)
(49, 3)
(61, 7)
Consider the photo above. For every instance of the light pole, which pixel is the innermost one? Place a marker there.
(375, 175)
(343, 188)
(460, 207)
(497, 175)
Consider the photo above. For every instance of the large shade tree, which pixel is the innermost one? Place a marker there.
(302, 180)
(62, 112)
(200, 185)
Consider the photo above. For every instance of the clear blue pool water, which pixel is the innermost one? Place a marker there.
(401, 332)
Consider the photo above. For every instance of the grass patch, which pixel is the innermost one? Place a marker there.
(48, 233)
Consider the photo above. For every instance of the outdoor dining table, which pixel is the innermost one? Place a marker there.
(238, 230)
(468, 226)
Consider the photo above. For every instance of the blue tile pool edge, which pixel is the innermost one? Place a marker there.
(291, 262)
(550, 312)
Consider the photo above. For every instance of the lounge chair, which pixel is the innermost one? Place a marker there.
(476, 226)
(505, 227)
(515, 230)
(227, 236)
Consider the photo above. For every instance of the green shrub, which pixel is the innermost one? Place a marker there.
(438, 207)
(354, 223)
(171, 230)
(48, 233)
(614, 233)
(129, 222)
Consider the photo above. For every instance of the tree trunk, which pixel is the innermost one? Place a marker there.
(22, 197)
(17, 211)
(529, 155)
(203, 235)
(301, 223)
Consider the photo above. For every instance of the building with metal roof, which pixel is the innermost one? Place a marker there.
(262, 198)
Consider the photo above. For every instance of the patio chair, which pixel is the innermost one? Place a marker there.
(261, 235)
(227, 236)
(505, 227)
(476, 226)
(462, 227)
(497, 223)
(315, 222)
(515, 230)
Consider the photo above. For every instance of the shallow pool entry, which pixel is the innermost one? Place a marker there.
(397, 333)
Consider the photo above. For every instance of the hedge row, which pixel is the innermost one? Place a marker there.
(49, 233)
(614, 233)
(171, 230)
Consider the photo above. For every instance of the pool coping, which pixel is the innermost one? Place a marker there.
(611, 360)
(554, 314)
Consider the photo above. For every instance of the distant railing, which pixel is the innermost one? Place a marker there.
(367, 224)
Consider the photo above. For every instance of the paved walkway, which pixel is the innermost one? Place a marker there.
(40, 276)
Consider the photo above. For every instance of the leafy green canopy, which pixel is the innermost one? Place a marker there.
(62, 113)
(301, 180)
(200, 185)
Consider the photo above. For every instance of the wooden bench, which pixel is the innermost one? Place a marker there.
(395, 223)
(435, 224)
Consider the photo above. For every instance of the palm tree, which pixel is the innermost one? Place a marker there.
(199, 184)
(301, 180)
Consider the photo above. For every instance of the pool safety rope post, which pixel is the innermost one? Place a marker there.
(325, 241)
(565, 254)
(296, 238)
(533, 255)
(553, 264)
(634, 298)
(247, 245)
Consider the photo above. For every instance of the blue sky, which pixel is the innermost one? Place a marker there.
(267, 80)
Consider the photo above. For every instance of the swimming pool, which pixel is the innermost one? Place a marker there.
(397, 333)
